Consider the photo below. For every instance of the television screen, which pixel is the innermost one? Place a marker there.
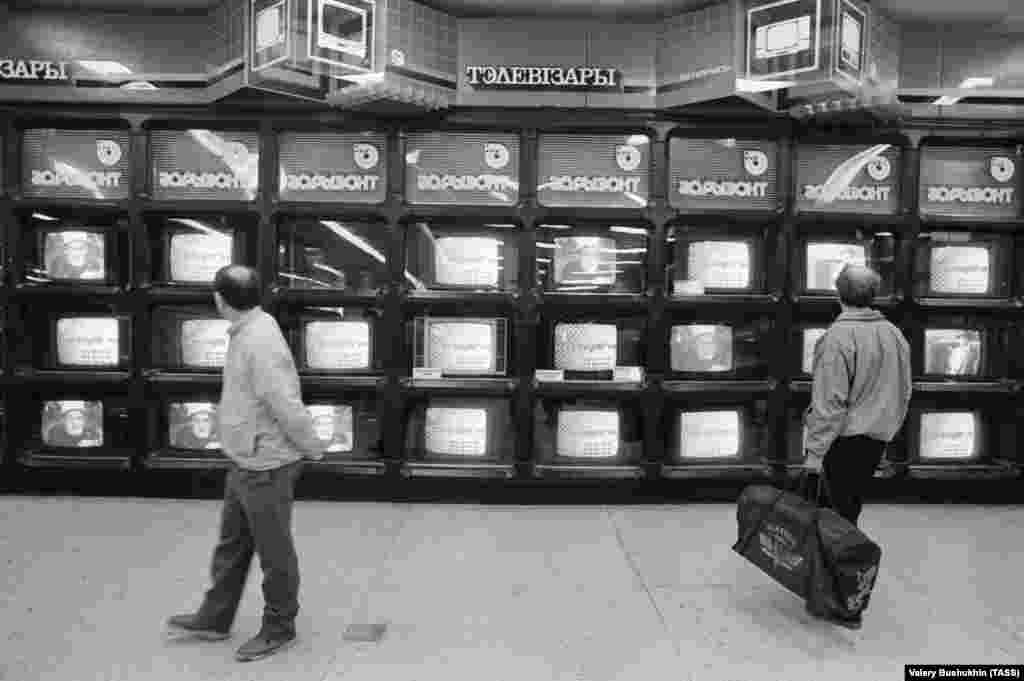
(334, 426)
(587, 433)
(72, 423)
(453, 431)
(698, 348)
(204, 342)
(193, 425)
(88, 341)
(953, 352)
(196, 257)
(949, 435)
(461, 346)
(826, 260)
(720, 264)
(586, 347)
(467, 261)
(75, 255)
(709, 434)
(961, 270)
(810, 340)
(327, 254)
(584, 261)
(337, 345)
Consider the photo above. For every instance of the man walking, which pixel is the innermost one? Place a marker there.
(266, 431)
(862, 387)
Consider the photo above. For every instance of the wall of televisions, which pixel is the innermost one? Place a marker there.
(551, 302)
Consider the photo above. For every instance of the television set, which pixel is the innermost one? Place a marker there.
(590, 261)
(591, 349)
(587, 432)
(444, 257)
(949, 435)
(72, 424)
(956, 352)
(461, 346)
(193, 426)
(820, 259)
(334, 425)
(464, 429)
(344, 344)
(89, 341)
(711, 434)
(58, 250)
(188, 251)
(332, 255)
(712, 263)
(729, 346)
(825, 260)
(809, 337)
(963, 265)
(189, 338)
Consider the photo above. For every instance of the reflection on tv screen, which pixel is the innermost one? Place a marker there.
(72, 423)
(75, 255)
(826, 260)
(701, 348)
(709, 434)
(88, 341)
(588, 433)
(452, 431)
(960, 270)
(193, 425)
(333, 426)
(949, 435)
(952, 352)
(584, 261)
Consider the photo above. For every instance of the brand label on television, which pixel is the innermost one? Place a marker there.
(969, 181)
(456, 432)
(588, 434)
(586, 347)
(338, 345)
(709, 434)
(205, 164)
(848, 178)
(723, 173)
(83, 341)
(76, 164)
(462, 168)
(589, 170)
(542, 77)
(333, 167)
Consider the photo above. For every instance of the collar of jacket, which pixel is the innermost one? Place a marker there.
(862, 315)
(243, 320)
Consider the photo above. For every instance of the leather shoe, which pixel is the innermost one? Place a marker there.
(264, 644)
(191, 625)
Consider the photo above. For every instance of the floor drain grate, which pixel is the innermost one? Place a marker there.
(365, 633)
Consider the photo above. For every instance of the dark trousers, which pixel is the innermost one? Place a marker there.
(256, 518)
(849, 466)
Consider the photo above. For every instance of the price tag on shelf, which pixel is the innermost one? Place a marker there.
(550, 375)
(628, 375)
(426, 374)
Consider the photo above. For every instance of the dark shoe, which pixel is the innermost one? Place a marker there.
(264, 644)
(190, 625)
(848, 622)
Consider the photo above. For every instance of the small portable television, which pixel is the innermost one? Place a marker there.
(334, 426)
(90, 341)
(715, 265)
(955, 352)
(702, 348)
(461, 346)
(342, 344)
(74, 254)
(193, 426)
(584, 261)
(332, 255)
(963, 265)
(588, 349)
(611, 260)
(949, 436)
(72, 424)
(450, 258)
(710, 435)
(588, 432)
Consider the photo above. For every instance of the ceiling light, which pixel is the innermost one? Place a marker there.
(106, 68)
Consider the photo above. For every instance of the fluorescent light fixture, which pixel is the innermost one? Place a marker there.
(106, 68)
(43, 216)
(966, 84)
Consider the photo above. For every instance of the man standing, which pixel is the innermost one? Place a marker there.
(266, 431)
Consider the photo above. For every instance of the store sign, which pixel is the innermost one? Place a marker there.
(21, 71)
(462, 168)
(75, 164)
(205, 164)
(333, 167)
(726, 174)
(970, 182)
(848, 179)
(543, 77)
(594, 170)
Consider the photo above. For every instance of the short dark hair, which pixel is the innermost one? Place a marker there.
(858, 285)
(239, 286)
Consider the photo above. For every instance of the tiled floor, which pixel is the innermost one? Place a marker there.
(497, 594)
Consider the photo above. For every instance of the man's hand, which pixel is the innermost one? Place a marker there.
(813, 462)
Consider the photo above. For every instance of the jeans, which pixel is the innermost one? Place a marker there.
(849, 466)
(256, 518)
